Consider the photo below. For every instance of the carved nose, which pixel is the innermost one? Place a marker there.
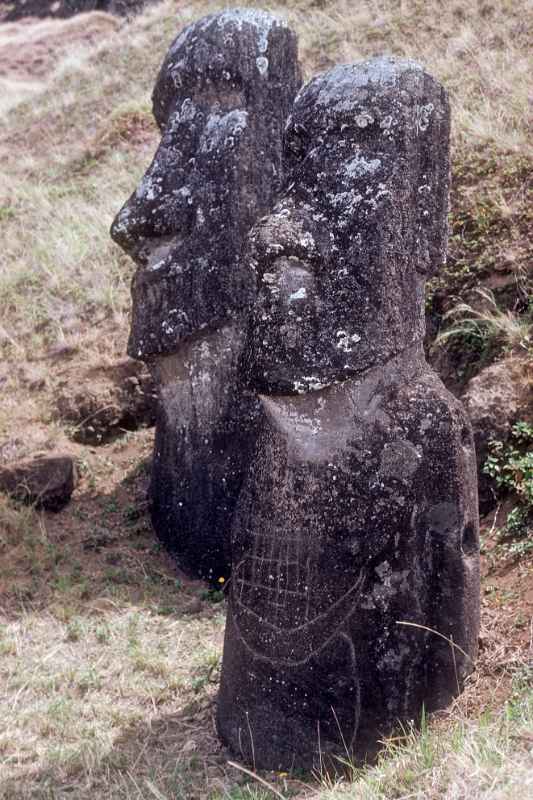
(121, 228)
(134, 226)
(143, 211)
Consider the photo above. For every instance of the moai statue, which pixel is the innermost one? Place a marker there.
(221, 100)
(355, 538)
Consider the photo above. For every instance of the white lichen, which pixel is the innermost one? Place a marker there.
(359, 166)
(262, 65)
(423, 116)
(299, 294)
(221, 130)
(149, 188)
(345, 340)
(260, 20)
(337, 86)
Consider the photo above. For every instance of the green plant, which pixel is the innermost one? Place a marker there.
(511, 467)
(102, 633)
(6, 212)
(111, 507)
(88, 679)
(246, 792)
(488, 326)
(212, 595)
(74, 630)
(206, 673)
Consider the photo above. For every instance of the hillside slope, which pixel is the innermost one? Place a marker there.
(109, 656)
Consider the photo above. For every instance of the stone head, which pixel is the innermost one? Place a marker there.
(221, 100)
(342, 259)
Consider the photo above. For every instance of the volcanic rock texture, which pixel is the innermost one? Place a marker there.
(355, 539)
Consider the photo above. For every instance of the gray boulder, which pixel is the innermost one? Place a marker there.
(355, 538)
(221, 101)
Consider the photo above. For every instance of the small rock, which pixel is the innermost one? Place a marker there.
(47, 481)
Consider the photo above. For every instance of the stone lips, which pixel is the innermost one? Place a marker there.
(221, 100)
(359, 509)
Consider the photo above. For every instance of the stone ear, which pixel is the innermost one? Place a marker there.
(432, 122)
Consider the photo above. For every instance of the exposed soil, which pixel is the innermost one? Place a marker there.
(106, 523)
(31, 49)
(99, 555)
(63, 9)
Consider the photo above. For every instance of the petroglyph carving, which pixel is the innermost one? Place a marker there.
(362, 483)
(221, 101)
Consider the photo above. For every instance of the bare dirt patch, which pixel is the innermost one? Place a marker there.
(31, 49)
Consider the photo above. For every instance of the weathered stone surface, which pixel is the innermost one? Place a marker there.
(495, 399)
(359, 510)
(221, 100)
(47, 481)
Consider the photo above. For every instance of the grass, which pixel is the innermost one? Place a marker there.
(108, 663)
(109, 660)
(71, 690)
(72, 154)
(489, 253)
(486, 758)
(488, 325)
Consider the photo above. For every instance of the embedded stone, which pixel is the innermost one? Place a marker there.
(221, 100)
(354, 599)
(495, 399)
(106, 401)
(46, 481)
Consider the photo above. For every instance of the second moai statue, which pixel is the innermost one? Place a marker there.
(221, 101)
(354, 599)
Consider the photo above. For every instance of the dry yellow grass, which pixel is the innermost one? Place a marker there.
(72, 154)
(108, 667)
